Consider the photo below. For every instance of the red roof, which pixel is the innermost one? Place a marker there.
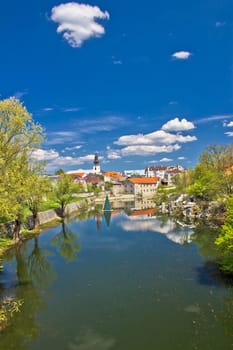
(144, 180)
(151, 211)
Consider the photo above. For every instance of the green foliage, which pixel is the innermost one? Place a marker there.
(212, 177)
(8, 307)
(164, 194)
(60, 172)
(225, 239)
(64, 190)
(19, 174)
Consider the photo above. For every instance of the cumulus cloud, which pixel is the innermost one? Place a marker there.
(77, 22)
(55, 161)
(181, 158)
(66, 162)
(230, 124)
(145, 150)
(159, 141)
(159, 137)
(178, 125)
(41, 154)
(229, 133)
(113, 154)
(181, 55)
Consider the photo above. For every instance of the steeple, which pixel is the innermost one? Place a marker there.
(96, 164)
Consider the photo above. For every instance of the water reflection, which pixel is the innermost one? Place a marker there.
(107, 216)
(168, 227)
(129, 290)
(91, 340)
(33, 273)
(67, 243)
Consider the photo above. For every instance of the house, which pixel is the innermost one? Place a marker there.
(113, 176)
(142, 186)
(158, 170)
(164, 172)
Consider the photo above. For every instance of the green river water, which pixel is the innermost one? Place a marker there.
(125, 282)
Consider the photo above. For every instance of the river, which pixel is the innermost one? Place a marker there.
(125, 281)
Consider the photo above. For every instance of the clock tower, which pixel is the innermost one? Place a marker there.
(96, 165)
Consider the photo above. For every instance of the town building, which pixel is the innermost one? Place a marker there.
(142, 186)
(164, 173)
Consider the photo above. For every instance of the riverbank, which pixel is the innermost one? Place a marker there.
(52, 217)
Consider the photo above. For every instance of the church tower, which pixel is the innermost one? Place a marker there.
(96, 165)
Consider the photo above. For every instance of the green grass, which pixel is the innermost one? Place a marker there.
(49, 204)
(4, 244)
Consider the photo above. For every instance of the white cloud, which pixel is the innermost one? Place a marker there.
(181, 55)
(178, 125)
(77, 22)
(230, 124)
(213, 118)
(158, 137)
(68, 161)
(71, 109)
(220, 24)
(159, 141)
(229, 133)
(19, 94)
(165, 160)
(107, 123)
(73, 148)
(113, 154)
(41, 154)
(117, 62)
(47, 109)
(62, 137)
(181, 158)
(145, 150)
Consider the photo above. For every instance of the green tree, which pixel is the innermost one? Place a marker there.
(38, 187)
(60, 172)
(19, 136)
(64, 191)
(213, 175)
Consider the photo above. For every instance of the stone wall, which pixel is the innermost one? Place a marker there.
(7, 229)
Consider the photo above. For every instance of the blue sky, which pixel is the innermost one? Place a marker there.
(141, 83)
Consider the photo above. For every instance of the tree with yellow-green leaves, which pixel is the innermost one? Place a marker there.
(225, 239)
(19, 175)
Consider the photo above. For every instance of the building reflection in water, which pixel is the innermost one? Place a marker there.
(142, 215)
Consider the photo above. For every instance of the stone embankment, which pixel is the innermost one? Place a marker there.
(44, 217)
(194, 210)
(89, 200)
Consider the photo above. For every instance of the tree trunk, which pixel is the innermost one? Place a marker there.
(35, 220)
(17, 230)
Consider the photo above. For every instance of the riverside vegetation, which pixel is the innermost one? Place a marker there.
(208, 188)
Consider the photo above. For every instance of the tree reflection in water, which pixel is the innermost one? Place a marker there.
(67, 243)
(33, 272)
